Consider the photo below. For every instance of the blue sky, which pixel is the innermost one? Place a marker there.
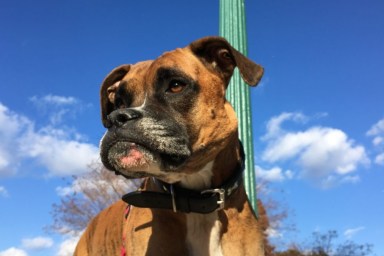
(318, 115)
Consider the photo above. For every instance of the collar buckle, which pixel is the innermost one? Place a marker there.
(221, 193)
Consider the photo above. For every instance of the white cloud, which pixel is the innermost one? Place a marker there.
(3, 192)
(353, 179)
(37, 243)
(57, 107)
(11, 126)
(54, 100)
(377, 140)
(109, 185)
(322, 153)
(64, 191)
(68, 246)
(377, 128)
(289, 174)
(3, 160)
(327, 182)
(274, 124)
(61, 152)
(349, 233)
(13, 252)
(377, 132)
(273, 233)
(274, 174)
(379, 159)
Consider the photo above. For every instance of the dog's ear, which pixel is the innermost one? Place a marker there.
(220, 55)
(108, 89)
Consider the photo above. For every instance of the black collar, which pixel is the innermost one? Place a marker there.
(186, 200)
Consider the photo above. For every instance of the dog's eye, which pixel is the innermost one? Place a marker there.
(176, 86)
(225, 54)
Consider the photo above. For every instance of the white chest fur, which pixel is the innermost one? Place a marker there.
(203, 230)
(203, 234)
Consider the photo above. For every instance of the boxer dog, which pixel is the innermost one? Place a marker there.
(168, 121)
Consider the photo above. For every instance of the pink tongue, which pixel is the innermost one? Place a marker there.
(134, 157)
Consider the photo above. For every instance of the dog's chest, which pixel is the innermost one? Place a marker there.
(203, 234)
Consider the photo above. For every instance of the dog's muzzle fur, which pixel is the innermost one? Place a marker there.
(142, 138)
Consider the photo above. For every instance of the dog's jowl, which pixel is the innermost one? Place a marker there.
(167, 121)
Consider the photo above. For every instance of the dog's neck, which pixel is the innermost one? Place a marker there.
(206, 190)
(200, 180)
(217, 171)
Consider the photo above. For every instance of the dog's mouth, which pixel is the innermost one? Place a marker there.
(145, 147)
(125, 155)
(137, 161)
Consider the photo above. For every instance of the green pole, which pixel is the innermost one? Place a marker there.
(233, 28)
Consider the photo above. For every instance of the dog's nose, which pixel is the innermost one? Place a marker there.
(120, 117)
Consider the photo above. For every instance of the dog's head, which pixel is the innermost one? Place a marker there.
(169, 116)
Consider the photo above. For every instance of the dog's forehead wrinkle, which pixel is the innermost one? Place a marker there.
(171, 71)
(127, 93)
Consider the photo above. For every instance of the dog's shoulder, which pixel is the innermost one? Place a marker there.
(104, 232)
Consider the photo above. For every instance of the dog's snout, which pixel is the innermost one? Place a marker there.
(120, 117)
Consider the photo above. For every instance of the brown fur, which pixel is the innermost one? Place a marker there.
(212, 128)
